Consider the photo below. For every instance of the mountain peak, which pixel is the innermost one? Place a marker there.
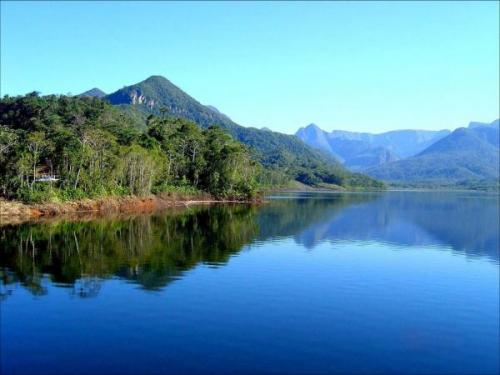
(152, 93)
(95, 92)
(312, 125)
(312, 128)
(156, 78)
(315, 137)
(157, 93)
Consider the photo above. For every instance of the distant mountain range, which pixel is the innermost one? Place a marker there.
(283, 154)
(466, 154)
(363, 150)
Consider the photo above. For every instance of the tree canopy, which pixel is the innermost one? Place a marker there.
(89, 148)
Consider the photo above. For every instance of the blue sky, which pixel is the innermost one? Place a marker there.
(361, 66)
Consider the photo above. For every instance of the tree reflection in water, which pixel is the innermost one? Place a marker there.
(153, 250)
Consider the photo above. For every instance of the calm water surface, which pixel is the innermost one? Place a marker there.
(393, 282)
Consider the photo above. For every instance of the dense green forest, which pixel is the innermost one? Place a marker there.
(61, 148)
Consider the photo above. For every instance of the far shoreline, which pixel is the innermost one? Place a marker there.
(388, 189)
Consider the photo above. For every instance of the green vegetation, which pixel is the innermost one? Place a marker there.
(284, 156)
(56, 148)
(155, 138)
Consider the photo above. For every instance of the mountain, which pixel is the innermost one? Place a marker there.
(406, 143)
(467, 154)
(359, 151)
(95, 92)
(354, 151)
(317, 138)
(369, 156)
(281, 153)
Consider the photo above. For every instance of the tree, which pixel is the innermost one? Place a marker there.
(36, 142)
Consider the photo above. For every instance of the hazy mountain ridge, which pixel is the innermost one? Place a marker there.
(402, 143)
(475, 124)
(467, 154)
(415, 156)
(359, 151)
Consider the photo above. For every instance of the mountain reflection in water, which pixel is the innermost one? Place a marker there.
(153, 250)
(466, 222)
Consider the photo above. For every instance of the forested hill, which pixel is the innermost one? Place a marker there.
(284, 156)
(57, 148)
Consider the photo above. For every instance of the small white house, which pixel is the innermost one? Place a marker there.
(46, 179)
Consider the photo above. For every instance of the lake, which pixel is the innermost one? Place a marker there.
(394, 282)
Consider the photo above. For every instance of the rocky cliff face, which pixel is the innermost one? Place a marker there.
(354, 150)
(136, 97)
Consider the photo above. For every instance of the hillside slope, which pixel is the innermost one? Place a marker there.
(279, 152)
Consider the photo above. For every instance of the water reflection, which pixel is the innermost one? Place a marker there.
(148, 250)
(154, 250)
(466, 222)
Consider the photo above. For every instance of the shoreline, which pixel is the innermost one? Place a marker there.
(16, 212)
(388, 189)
